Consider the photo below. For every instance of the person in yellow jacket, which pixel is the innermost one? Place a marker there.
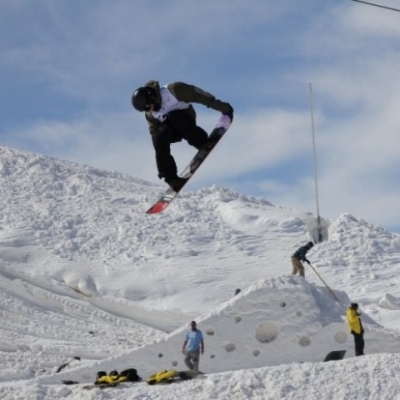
(356, 328)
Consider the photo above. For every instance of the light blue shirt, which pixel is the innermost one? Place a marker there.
(193, 339)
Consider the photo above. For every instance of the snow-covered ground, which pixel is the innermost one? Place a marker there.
(89, 282)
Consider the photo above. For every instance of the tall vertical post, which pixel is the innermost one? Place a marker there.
(315, 163)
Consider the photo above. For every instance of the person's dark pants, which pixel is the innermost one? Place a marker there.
(179, 125)
(359, 344)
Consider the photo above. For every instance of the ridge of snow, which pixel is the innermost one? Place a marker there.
(89, 281)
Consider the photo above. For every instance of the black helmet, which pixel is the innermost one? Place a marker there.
(142, 98)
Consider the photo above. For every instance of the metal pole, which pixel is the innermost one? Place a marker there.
(315, 164)
(327, 286)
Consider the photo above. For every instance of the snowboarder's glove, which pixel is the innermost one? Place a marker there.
(307, 261)
(229, 113)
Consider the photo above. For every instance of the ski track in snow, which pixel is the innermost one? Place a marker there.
(88, 282)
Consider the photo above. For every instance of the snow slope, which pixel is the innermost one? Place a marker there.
(89, 282)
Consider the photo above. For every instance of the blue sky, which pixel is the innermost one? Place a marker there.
(68, 70)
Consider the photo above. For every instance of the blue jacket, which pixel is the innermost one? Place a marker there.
(194, 340)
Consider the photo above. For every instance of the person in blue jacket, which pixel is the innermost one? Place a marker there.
(193, 346)
(298, 257)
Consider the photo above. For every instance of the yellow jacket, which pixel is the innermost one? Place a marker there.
(354, 321)
(111, 380)
(162, 376)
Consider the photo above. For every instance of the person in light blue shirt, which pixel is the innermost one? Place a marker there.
(193, 346)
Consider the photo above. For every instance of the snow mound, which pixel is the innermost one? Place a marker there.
(389, 302)
(272, 322)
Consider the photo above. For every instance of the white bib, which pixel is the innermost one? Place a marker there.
(168, 103)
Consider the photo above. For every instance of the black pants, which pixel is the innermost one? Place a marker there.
(179, 125)
(359, 344)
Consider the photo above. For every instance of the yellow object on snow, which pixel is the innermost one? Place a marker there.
(111, 380)
(162, 377)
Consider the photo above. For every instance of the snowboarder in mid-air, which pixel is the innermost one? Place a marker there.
(171, 118)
